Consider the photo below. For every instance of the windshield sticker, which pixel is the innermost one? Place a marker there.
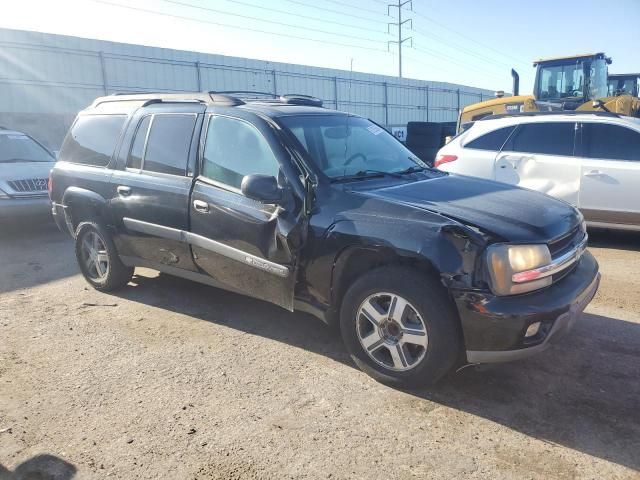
(375, 129)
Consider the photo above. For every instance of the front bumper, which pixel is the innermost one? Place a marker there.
(494, 327)
(24, 208)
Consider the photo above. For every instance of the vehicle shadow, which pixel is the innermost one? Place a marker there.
(40, 467)
(34, 254)
(618, 239)
(582, 394)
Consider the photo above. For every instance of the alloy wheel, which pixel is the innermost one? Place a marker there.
(391, 331)
(94, 256)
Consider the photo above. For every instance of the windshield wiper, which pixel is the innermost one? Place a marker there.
(413, 169)
(364, 174)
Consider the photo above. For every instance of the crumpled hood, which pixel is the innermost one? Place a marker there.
(513, 213)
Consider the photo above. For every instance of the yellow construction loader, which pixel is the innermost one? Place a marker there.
(579, 82)
(624, 84)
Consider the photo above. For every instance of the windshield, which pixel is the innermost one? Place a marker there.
(561, 81)
(344, 146)
(568, 81)
(622, 86)
(21, 148)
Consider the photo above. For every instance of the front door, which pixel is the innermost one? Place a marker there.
(610, 190)
(245, 245)
(540, 156)
(151, 187)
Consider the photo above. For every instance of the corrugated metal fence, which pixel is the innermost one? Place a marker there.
(45, 79)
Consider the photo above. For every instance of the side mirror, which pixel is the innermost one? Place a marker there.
(263, 188)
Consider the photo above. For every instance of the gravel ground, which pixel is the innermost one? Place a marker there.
(171, 379)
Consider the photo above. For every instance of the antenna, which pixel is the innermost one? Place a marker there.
(400, 5)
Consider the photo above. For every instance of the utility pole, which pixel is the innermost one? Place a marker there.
(400, 5)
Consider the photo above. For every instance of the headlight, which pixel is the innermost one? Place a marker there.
(509, 265)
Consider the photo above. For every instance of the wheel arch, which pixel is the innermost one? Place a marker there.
(354, 261)
(80, 205)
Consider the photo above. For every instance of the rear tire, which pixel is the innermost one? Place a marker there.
(400, 327)
(98, 258)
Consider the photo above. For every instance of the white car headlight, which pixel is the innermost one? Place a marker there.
(512, 268)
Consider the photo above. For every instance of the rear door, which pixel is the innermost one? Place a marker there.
(478, 156)
(610, 190)
(541, 156)
(151, 187)
(245, 245)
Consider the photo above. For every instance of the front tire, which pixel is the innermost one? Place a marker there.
(400, 327)
(98, 258)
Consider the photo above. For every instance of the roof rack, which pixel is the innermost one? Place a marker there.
(149, 98)
(222, 98)
(268, 97)
(244, 93)
(555, 112)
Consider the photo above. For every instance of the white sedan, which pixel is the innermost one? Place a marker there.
(589, 159)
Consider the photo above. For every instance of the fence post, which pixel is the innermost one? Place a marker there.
(458, 95)
(104, 72)
(386, 105)
(198, 76)
(275, 87)
(335, 90)
(427, 90)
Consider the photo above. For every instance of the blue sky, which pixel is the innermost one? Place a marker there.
(465, 41)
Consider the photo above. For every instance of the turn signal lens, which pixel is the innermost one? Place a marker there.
(440, 159)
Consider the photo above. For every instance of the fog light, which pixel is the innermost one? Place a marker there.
(532, 330)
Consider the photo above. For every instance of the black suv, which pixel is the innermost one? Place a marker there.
(324, 212)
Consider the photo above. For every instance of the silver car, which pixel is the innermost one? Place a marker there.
(24, 173)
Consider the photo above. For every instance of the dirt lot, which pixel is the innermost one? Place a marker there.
(171, 379)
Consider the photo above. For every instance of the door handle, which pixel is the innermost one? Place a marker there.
(594, 173)
(123, 191)
(200, 206)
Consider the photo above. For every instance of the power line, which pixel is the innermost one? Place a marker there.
(226, 25)
(461, 48)
(282, 24)
(308, 17)
(360, 9)
(451, 61)
(474, 40)
(337, 12)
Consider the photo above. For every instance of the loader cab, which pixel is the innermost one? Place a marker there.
(624, 84)
(568, 82)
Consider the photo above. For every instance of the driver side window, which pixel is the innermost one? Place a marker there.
(233, 149)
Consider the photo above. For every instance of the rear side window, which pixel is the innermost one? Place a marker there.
(553, 138)
(234, 149)
(92, 139)
(168, 144)
(610, 141)
(492, 140)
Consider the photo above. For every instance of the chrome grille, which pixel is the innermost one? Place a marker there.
(566, 242)
(29, 185)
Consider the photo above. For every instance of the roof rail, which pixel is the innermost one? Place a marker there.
(555, 112)
(244, 93)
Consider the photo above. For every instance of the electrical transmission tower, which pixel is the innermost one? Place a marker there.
(400, 5)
